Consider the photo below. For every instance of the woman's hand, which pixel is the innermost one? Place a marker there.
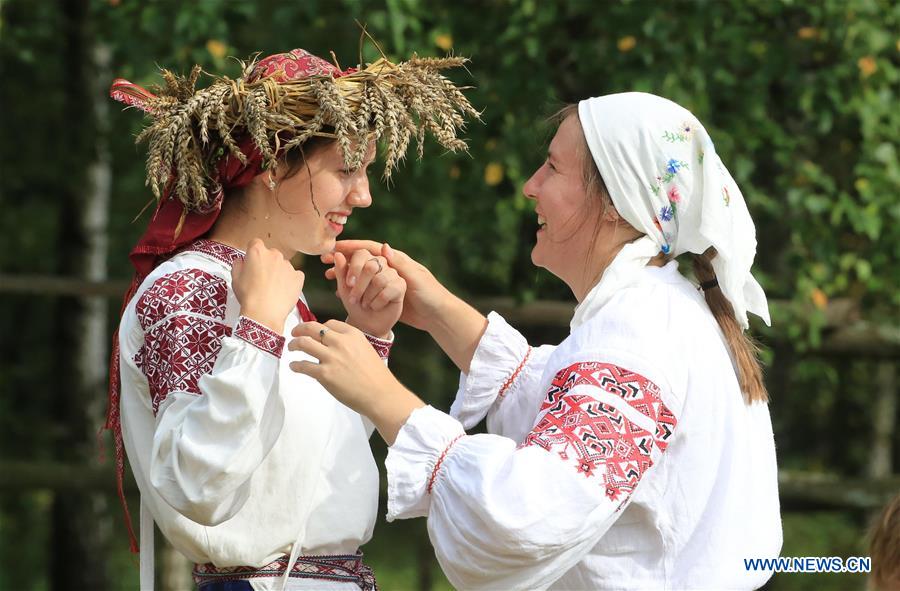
(371, 291)
(266, 285)
(424, 295)
(352, 372)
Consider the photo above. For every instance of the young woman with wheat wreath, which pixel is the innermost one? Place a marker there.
(636, 454)
(253, 472)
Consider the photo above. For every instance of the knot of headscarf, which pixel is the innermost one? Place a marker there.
(666, 180)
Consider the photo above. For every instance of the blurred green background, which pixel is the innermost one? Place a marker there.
(801, 99)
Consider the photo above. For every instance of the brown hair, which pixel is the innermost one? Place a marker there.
(744, 349)
(884, 547)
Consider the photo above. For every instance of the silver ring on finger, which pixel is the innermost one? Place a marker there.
(377, 262)
(322, 334)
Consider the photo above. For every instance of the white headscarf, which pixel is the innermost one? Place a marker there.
(666, 180)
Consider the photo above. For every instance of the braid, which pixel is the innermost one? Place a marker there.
(743, 348)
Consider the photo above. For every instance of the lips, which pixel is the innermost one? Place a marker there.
(336, 220)
(542, 222)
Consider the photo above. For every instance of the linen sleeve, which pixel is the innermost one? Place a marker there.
(214, 391)
(508, 517)
(503, 382)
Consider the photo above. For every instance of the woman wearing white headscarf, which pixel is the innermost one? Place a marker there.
(636, 454)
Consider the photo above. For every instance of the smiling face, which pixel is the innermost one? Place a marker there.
(307, 211)
(565, 235)
(579, 231)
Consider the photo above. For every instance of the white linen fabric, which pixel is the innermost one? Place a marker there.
(666, 180)
(623, 458)
(239, 459)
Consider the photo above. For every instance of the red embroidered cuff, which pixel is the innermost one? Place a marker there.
(437, 465)
(381, 346)
(261, 337)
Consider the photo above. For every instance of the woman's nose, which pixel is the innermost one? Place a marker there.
(529, 189)
(360, 195)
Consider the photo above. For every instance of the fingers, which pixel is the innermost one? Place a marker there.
(389, 295)
(309, 345)
(312, 328)
(340, 273)
(348, 247)
(389, 283)
(362, 268)
(313, 370)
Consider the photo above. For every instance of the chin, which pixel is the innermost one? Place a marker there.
(536, 258)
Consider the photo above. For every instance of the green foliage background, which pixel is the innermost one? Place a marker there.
(801, 99)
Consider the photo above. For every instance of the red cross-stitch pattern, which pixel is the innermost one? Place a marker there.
(216, 250)
(181, 314)
(596, 438)
(259, 336)
(381, 346)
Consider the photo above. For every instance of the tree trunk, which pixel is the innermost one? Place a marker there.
(81, 521)
(884, 420)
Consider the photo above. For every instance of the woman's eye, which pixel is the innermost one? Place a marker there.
(550, 164)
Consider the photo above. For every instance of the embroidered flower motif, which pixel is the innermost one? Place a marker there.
(673, 165)
(682, 134)
(674, 195)
(726, 196)
(666, 213)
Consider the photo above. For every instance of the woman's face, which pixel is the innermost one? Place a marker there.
(322, 183)
(564, 236)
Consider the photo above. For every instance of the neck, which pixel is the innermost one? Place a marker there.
(239, 223)
(583, 280)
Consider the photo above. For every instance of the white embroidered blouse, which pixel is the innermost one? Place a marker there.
(236, 456)
(623, 458)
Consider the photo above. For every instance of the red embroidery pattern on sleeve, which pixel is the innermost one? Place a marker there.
(437, 465)
(512, 379)
(182, 315)
(381, 346)
(597, 438)
(261, 337)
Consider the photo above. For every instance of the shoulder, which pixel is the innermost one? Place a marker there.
(651, 329)
(183, 284)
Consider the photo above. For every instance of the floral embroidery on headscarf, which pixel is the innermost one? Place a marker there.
(682, 134)
(726, 196)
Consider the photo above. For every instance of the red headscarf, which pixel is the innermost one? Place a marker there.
(173, 226)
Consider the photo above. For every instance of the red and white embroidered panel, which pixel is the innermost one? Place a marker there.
(381, 346)
(182, 315)
(596, 438)
(260, 336)
(217, 250)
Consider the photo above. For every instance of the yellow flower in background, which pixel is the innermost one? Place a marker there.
(626, 44)
(861, 184)
(819, 299)
(493, 174)
(444, 41)
(867, 66)
(216, 48)
(807, 32)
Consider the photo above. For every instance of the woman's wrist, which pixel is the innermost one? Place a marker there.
(369, 330)
(390, 409)
(266, 320)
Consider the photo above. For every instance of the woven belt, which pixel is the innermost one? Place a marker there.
(348, 567)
